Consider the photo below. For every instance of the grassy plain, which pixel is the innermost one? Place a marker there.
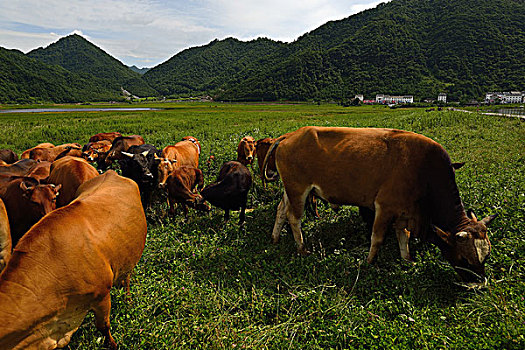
(203, 284)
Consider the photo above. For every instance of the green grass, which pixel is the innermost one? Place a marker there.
(206, 284)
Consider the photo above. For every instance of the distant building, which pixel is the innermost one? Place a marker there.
(505, 97)
(380, 98)
(360, 97)
(442, 97)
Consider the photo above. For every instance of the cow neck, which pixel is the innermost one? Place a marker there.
(446, 209)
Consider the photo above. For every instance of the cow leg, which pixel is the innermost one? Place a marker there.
(381, 222)
(102, 310)
(294, 214)
(280, 218)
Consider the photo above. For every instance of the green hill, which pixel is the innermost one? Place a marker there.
(78, 55)
(25, 80)
(208, 68)
(418, 47)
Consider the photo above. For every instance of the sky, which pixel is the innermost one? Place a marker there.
(146, 33)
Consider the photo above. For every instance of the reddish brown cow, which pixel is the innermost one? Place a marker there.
(261, 148)
(119, 145)
(57, 152)
(108, 136)
(25, 154)
(70, 173)
(95, 150)
(405, 178)
(20, 168)
(181, 185)
(40, 171)
(66, 265)
(5, 237)
(246, 150)
(8, 156)
(26, 202)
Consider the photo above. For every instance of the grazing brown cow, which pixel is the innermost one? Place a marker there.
(181, 184)
(95, 150)
(404, 177)
(119, 145)
(230, 191)
(70, 173)
(26, 202)
(108, 136)
(66, 265)
(25, 154)
(246, 150)
(8, 156)
(57, 152)
(5, 237)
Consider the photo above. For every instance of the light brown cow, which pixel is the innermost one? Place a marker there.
(404, 177)
(53, 153)
(27, 201)
(70, 173)
(67, 263)
(108, 136)
(20, 168)
(246, 150)
(25, 154)
(5, 237)
(185, 152)
(93, 150)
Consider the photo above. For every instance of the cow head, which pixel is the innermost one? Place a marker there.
(139, 164)
(165, 168)
(96, 150)
(246, 150)
(468, 249)
(41, 198)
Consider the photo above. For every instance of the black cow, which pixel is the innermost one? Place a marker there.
(230, 192)
(139, 165)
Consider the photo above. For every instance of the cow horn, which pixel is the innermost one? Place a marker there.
(145, 153)
(127, 154)
(446, 237)
(157, 157)
(462, 235)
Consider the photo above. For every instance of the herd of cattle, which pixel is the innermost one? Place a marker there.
(68, 233)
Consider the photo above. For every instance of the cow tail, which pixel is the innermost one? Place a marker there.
(272, 149)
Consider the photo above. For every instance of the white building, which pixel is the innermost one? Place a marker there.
(505, 97)
(380, 98)
(442, 97)
(360, 97)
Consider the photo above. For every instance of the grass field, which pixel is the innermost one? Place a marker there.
(203, 284)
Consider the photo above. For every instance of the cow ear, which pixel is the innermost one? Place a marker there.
(457, 166)
(489, 219)
(145, 153)
(157, 157)
(127, 154)
(24, 187)
(448, 238)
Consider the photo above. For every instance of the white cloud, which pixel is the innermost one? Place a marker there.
(150, 31)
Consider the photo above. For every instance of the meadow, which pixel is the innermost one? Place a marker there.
(206, 284)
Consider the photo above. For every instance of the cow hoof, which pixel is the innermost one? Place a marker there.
(275, 240)
(303, 251)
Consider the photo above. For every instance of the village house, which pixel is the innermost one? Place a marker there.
(505, 97)
(442, 97)
(380, 98)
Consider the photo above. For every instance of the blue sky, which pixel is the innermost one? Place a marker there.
(148, 32)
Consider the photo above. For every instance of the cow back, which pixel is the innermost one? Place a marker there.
(68, 262)
(25, 154)
(70, 172)
(185, 152)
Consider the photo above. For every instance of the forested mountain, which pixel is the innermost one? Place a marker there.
(418, 47)
(78, 55)
(24, 80)
(139, 70)
(210, 67)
